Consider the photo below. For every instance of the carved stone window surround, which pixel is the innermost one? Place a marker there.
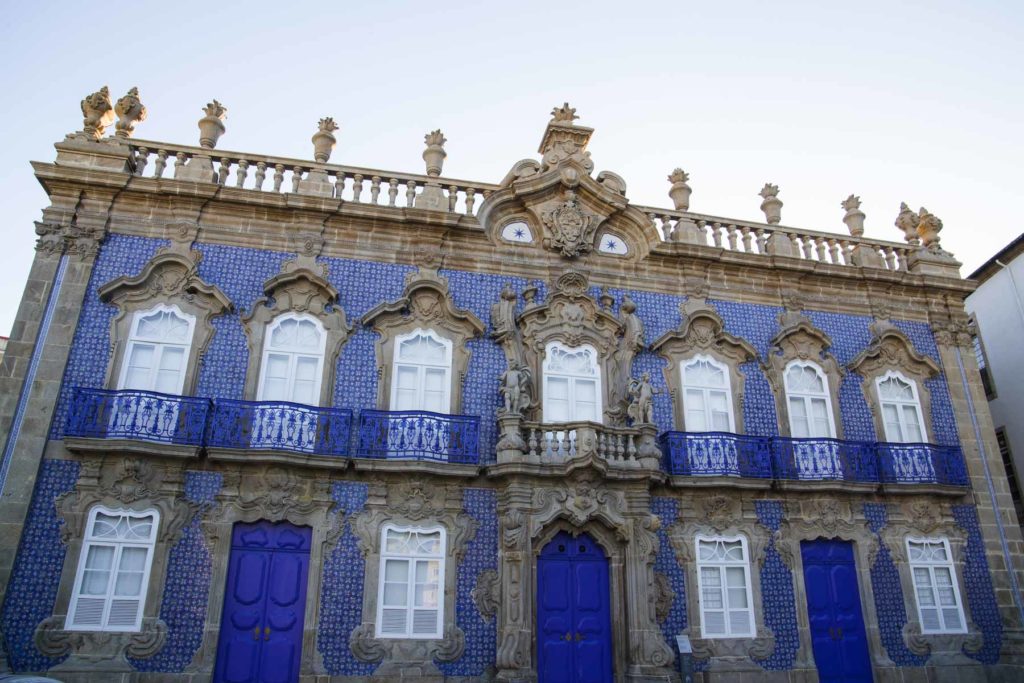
(296, 290)
(702, 332)
(800, 341)
(410, 503)
(425, 304)
(170, 278)
(138, 485)
(891, 350)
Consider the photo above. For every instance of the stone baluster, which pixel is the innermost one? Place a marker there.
(338, 188)
(532, 443)
(819, 246)
(762, 241)
(731, 235)
(141, 159)
(261, 175)
(470, 200)
(630, 449)
(668, 228)
(222, 172)
(747, 237)
(602, 445)
(410, 193)
(889, 256)
(702, 235)
(571, 438)
(374, 189)
(278, 177)
(241, 172)
(833, 251)
(453, 197)
(161, 163)
(357, 187)
(620, 449)
(392, 191)
(296, 178)
(716, 235)
(179, 164)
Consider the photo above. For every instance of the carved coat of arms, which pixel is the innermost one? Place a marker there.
(571, 230)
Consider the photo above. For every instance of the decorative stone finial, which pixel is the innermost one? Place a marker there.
(324, 140)
(564, 115)
(130, 112)
(854, 217)
(679, 193)
(772, 205)
(434, 154)
(98, 113)
(211, 126)
(907, 221)
(928, 228)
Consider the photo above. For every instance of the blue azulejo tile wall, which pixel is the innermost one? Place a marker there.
(186, 588)
(778, 598)
(890, 606)
(667, 565)
(35, 576)
(981, 596)
(341, 589)
(481, 555)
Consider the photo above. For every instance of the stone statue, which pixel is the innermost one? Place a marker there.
(633, 327)
(641, 400)
(515, 388)
(503, 313)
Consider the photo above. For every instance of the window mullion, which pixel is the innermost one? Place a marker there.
(411, 597)
(111, 582)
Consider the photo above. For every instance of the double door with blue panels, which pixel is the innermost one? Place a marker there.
(264, 604)
(574, 643)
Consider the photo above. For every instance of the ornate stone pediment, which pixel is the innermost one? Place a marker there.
(578, 503)
(889, 349)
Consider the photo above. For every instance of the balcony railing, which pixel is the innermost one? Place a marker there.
(922, 463)
(138, 415)
(722, 454)
(415, 435)
(717, 454)
(279, 426)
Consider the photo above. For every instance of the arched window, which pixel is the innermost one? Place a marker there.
(707, 396)
(157, 352)
(939, 607)
(572, 383)
(723, 575)
(421, 374)
(113, 570)
(807, 397)
(293, 358)
(901, 409)
(410, 598)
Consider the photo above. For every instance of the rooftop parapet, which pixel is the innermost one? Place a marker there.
(565, 162)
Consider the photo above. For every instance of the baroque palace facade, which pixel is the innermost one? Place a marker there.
(275, 420)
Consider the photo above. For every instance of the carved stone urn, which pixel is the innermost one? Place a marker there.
(324, 140)
(97, 113)
(130, 112)
(854, 217)
(434, 154)
(679, 193)
(211, 126)
(907, 221)
(772, 205)
(928, 228)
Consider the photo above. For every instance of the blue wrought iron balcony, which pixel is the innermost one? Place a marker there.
(137, 416)
(720, 454)
(279, 426)
(416, 435)
(716, 454)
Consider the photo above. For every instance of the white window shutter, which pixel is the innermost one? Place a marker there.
(124, 612)
(424, 622)
(393, 621)
(88, 612)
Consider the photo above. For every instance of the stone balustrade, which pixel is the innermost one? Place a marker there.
(773, 240)
(617, 446)
(281, 174)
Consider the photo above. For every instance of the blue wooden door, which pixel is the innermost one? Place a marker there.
(838, 637)
(264, 604)
(574, 629)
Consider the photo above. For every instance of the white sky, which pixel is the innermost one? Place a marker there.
(914, 101)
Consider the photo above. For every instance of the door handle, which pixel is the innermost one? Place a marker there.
(256, 633)
(579, 636)
(568, 637)
(266, 633)
(832, 632)
(839, 633)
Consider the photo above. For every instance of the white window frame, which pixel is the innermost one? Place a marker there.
(596, 378)
(931, 567)
(721, 566)
(806, 397)
(119, 545)
(705, 391)
(900, 404)
(159, 346)
(293, 355)
(412, 560)
(421, 369)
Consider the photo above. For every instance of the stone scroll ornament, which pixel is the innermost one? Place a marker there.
(572, 230)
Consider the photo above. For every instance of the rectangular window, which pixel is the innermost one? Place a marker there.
(726, 599)
(982, 359)
(113, 571)
(935, 588)
(410, 601)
